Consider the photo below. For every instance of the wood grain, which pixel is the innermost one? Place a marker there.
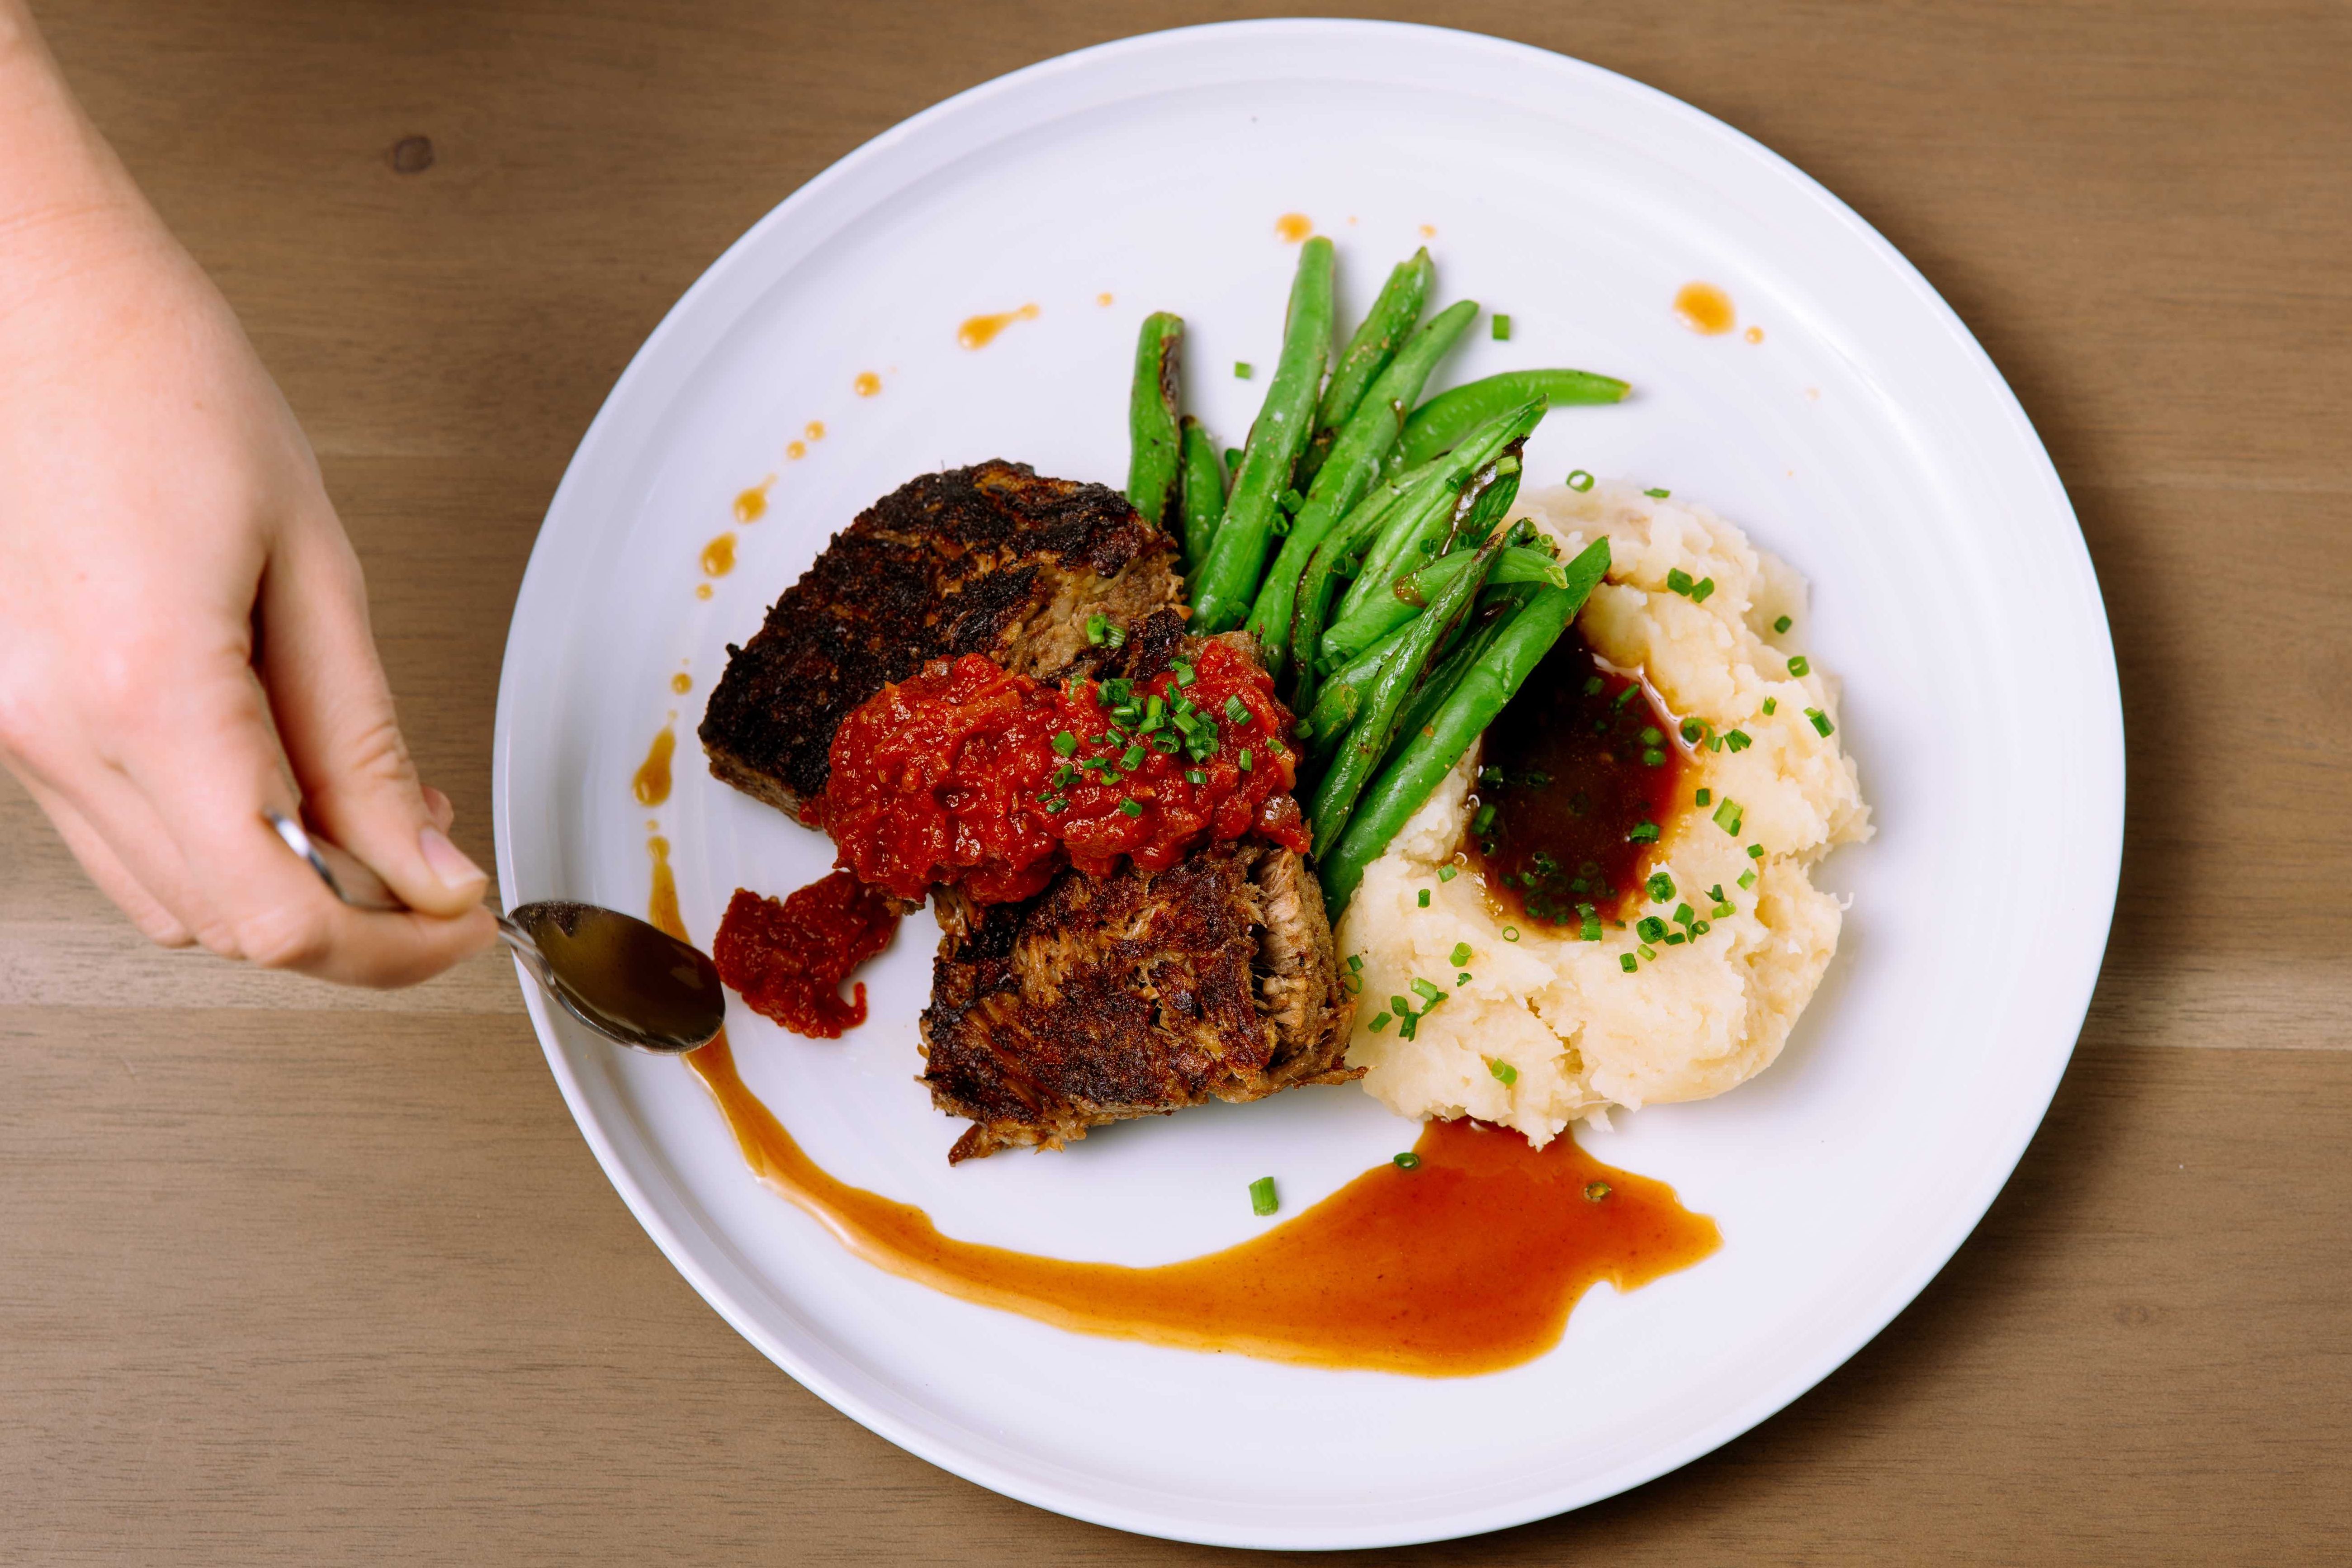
(293, 1274)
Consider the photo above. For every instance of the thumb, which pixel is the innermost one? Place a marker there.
(333, 710)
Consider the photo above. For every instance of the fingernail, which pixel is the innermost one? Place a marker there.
(448, 861)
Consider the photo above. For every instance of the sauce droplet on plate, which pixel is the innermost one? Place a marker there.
(702, 590)
(1704, 309)
(868, 383)
(651, 786)
(796, 451)
(815, 431)
(979, 331)
(681, 683)
(752, 504)
(1754, 334)
(1102, 299)
(1292, 227)
(718, 556)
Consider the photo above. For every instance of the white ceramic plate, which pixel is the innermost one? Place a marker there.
(1866, 439)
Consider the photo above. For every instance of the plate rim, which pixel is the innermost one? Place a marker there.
(2102, 687)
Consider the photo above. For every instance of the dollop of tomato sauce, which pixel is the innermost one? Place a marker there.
(788, 959)
(969, 774)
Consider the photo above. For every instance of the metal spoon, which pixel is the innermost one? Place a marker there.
(627, 980)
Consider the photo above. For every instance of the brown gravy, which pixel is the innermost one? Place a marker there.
(651, 784)
(1580, 771)
(1468, 1264)
(1703, 307)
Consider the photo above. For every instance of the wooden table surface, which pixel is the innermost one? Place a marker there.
(290, 1275)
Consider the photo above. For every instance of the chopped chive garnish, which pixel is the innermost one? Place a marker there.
(1058, 805)
(1699, 929)
(1510, 934)
(1722, 911)
(1649, 928)
(1399, 1006)
(1747, 878)
(1799, 665)
(1066, 744)
(1727, 817)
(1236, 711)
(1651, 735)
(1423, 898)
(1661, 888)
(1502, 327)
(1244, 370)
(1648, 952)
(1693, 730)
(1783, 624)
(1627, 962)
(1448, 873)
(1680, 581)
(1772, 706)
(1684, 914)
(1596, 1191)
(1675, 939)
(1821, 721)
(1132, 807)
(1132, 758)
(1426, 992)
(1576, 473)
(1379, 1023)
(1755, 851)
(1116, 635)
(1460, 955)
(1628, 695)
(1588, 923)
(1356, 962)
(1643, 833)
(1737, 740)
(1715, 892)
(1592, 686)
(1098, 628)
(1262, 1199)
(1504, 1073)
(1704, 795)
(1657, 495)
(1653, 758)
(1408, 1161)
(1463, 978)
(1195, 777)
(1701, 589)
(1246, 761)
(1353, 984)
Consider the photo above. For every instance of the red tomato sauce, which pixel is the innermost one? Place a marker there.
(971, 774)
(789, 959)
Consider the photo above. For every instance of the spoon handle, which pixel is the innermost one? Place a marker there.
(345, 876)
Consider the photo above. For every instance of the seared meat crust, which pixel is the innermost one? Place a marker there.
(990, 559)
(1136, 995)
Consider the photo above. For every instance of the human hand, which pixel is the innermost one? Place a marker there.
(183, 630)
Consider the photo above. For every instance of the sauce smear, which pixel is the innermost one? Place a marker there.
(1575, 783)
(788, 960)
(972, 775)
(977, 332)
(1468, 1264)
(651, 784)
(1705, 309)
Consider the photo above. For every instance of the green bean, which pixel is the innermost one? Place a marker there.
(1424, 758)
(1355, 462)
(1368, 352)
(1410, 538)
(1337, 551)
(1447, 418)
(1227, 580)
(1368, 739)
(1153, 441)
(1355, 633)
(1204, 492)
(1468, 650)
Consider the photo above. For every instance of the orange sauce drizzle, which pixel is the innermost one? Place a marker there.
(752, 504)
(979, 331)
(1754, 334)
(681, 683)
(868, 383)
(718, 556)
(1703, 307)
(1292, 227)
(651, 786)
(1469, 1264)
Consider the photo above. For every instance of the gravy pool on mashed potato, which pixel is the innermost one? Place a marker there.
(1575, 1030)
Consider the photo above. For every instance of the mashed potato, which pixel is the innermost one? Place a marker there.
(1579, 1032)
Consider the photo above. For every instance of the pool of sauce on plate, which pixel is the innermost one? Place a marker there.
(1468, 1264)
(1575, 765)
(978, 332)
(1705, 309)
(651, 784)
